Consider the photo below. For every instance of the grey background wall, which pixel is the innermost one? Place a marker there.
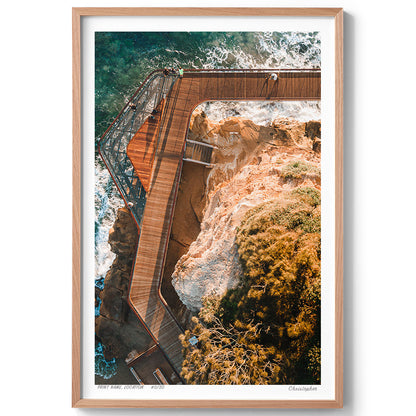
(380, 228)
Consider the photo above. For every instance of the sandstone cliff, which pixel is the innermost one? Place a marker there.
(252, 164)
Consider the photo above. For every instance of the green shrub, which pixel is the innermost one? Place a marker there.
(309, 195)
(298, 169)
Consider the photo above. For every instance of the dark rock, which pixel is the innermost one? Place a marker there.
(117, 327)
(112, 303)
(316, 145)
(119, 340)
(313, 129)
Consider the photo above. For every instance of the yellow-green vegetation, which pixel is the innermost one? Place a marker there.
(267, 329)
(298, 169)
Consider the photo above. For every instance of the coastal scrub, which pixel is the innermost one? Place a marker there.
(267, 329)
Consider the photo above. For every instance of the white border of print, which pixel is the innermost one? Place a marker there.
(325, 25)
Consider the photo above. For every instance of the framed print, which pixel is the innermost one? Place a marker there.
(207, 207)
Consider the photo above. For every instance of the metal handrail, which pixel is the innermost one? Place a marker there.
(201, 143)
(137, 94)
(254, 70)
(112, 146)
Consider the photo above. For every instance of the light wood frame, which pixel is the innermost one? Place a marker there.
(77, 14)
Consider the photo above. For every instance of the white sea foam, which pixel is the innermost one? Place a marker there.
(291, 50)
(105, 369)
(263, 113)
(107, 202)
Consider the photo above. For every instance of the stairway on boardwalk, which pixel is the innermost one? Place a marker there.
(198, 152)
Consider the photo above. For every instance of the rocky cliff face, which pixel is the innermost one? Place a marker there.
(117, 328)
(252, 164)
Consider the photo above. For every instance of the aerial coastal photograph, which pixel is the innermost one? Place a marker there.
(207, 208)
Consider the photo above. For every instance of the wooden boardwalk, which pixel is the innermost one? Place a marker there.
(195, 87)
